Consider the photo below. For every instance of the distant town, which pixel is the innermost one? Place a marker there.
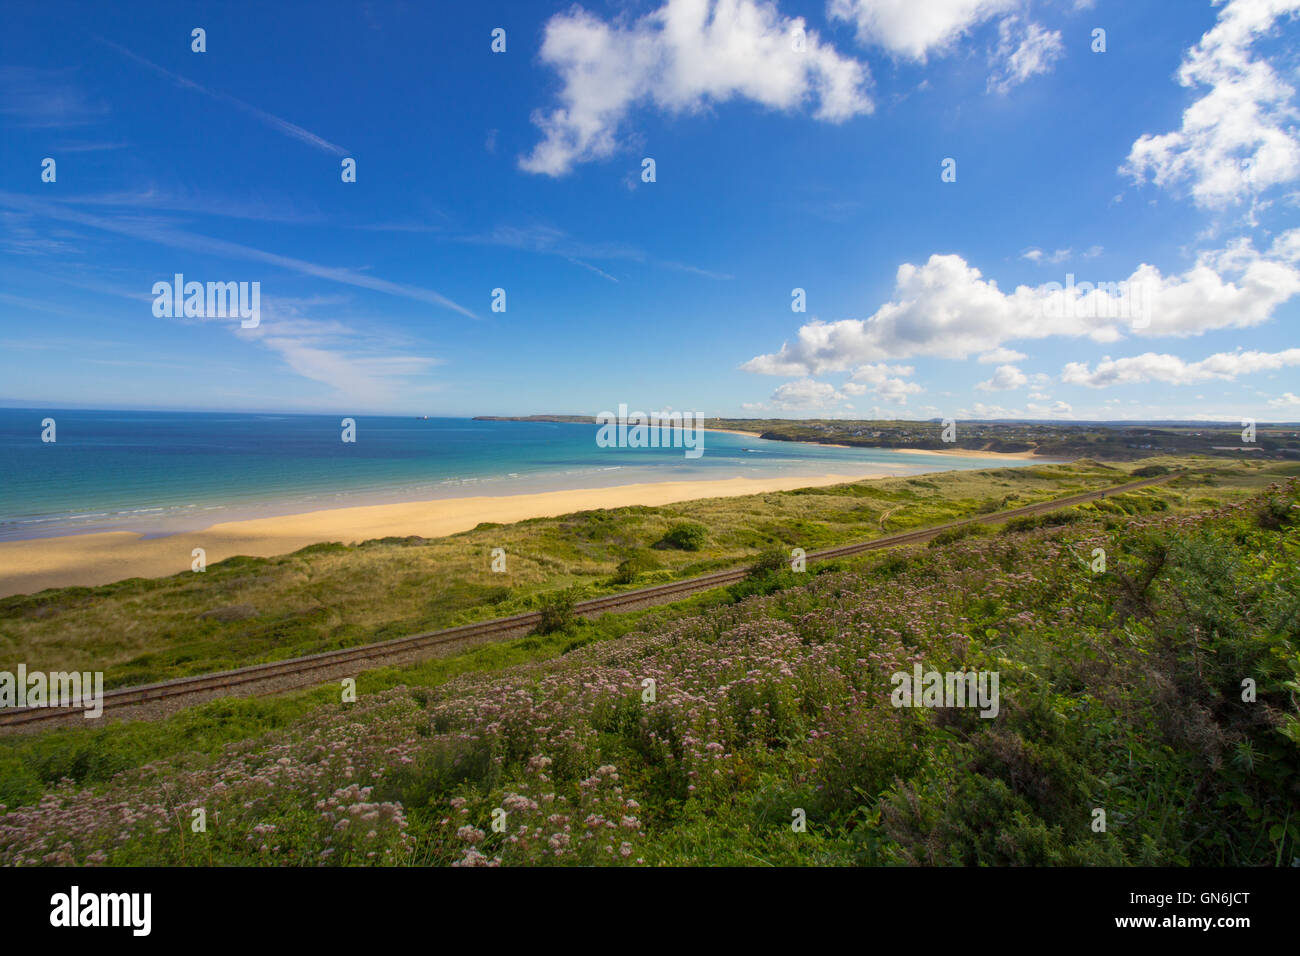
(1111, 441)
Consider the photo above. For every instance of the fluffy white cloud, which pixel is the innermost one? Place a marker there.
(1172, 370)
(1286, 246)
(886, 382)
(682, 57)
(982, 411)
(369, 369)
(947, 309)
(1054, 410)
(1286, 400)
(805, 393)
(1023, 50)
(1004, 377)
(1038, 256)
(1240, 137)
(915, 28)
(1001, 356)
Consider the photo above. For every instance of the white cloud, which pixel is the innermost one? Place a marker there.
(368, 369)
(1001, 356)
(1172, 370)
(915, 28)
(1004, 377)
(1022, 51)
(805, 393)
(886, 382)
(1038, 256)
(1286, 400)
(1286, 246)
(982, 411)
(683, 57)
(947, 309)
(1055, 410)
(275, 122)
(181, 239)
(1240, 137)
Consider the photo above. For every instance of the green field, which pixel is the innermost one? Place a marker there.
(248, 610)
(1121, 692)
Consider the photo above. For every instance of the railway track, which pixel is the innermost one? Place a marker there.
(298, 672)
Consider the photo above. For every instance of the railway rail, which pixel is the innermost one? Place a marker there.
(297, 672)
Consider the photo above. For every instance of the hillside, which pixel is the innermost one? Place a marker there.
(1120, 691)
(1114, 441)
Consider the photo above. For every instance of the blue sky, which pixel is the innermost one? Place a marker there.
(796, 145)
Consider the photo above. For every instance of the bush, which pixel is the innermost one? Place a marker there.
(1150, 471)
(685, 536)
(629, 569)
(557, 612)
(770, 572)
(1050, 519)
(771, 561)
(949, 535)
(1273, 511)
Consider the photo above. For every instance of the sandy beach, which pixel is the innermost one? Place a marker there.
(968, 453)
(91, 559)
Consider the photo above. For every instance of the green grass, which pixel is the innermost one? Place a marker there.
(33, 763)
(1121, 689)
(248, 610)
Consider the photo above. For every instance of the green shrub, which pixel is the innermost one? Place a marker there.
(557, 612)
(1051, 519)
(1150, 471)
(949, 535)
(1274, 511)
(628, 569)
(770, 561)
(685, 536)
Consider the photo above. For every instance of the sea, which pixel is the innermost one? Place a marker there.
(159, 473)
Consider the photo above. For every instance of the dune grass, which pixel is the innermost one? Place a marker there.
(1121, 691)
(247, 610)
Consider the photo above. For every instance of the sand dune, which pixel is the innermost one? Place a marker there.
(90, 559)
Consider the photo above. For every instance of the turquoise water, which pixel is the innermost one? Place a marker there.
(162, 472)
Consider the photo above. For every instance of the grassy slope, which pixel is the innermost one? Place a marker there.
(1113, 697)
(246, 610)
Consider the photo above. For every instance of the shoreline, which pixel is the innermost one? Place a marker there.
(959, 452)
(34, 564)
(968, 453)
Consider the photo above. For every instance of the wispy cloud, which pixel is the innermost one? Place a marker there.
(368, 370)
(588, 265)
(46, 99)
(548, 240)
(180, 239)
(89, 147)
(693, 270)
(174, 200)
(271, 120)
